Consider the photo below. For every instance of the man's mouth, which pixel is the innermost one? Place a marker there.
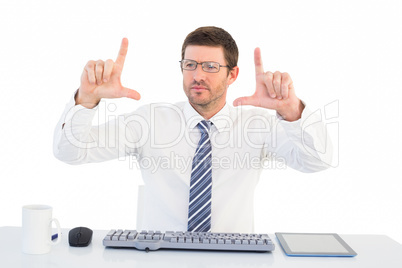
(199, 88)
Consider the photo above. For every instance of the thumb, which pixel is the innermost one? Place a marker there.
(250, 100)
(131, 93)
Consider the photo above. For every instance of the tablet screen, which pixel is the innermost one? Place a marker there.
(319, 244)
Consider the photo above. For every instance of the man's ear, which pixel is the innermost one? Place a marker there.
(233, 74)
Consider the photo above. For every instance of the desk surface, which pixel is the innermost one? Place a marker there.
(373, 251)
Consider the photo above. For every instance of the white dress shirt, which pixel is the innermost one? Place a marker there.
(163, 138)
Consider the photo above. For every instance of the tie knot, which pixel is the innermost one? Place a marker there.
(204, 126)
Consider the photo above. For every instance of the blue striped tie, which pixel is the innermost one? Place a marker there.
(199, 213)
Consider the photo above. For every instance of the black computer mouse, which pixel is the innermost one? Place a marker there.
(80, 237)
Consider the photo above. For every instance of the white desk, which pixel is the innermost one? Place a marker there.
(373, 251)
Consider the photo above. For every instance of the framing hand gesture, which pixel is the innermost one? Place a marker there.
(273, 91)
(101, 79)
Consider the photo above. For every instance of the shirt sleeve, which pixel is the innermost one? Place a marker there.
(77, 141)
(303, 144)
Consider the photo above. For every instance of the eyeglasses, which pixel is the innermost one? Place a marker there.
(207, 66)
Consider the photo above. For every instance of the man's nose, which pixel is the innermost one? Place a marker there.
(199, 74)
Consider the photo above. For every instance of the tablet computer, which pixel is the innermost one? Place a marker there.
(314, 244)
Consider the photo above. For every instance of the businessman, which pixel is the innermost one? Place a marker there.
(200, 159)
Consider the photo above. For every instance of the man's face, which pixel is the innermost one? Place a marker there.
(203, 89)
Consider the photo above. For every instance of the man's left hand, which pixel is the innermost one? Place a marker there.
(273, 91)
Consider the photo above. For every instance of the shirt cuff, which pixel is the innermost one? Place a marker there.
(295, 129)
(72, 111)
(296, 122)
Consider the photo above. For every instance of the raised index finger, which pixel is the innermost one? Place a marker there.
(122, 53)
(259, 69)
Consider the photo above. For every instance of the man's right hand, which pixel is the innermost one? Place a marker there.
(101, 79)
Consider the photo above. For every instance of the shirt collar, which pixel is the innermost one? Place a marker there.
(220, 120)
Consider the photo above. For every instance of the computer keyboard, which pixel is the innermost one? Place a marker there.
(154, 240)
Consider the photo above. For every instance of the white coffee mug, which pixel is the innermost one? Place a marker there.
(37, 229)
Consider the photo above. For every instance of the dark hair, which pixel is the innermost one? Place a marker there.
(214, 37)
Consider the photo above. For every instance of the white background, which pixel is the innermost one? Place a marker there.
(347, 52)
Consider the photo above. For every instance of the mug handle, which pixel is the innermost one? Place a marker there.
(58, 232)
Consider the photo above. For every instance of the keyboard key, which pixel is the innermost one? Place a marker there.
(168, 235)
(110, 234)
(156, 237)
(132, 235)
(117, 235)
(141, 237)
(123, 236)
(148, 237)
